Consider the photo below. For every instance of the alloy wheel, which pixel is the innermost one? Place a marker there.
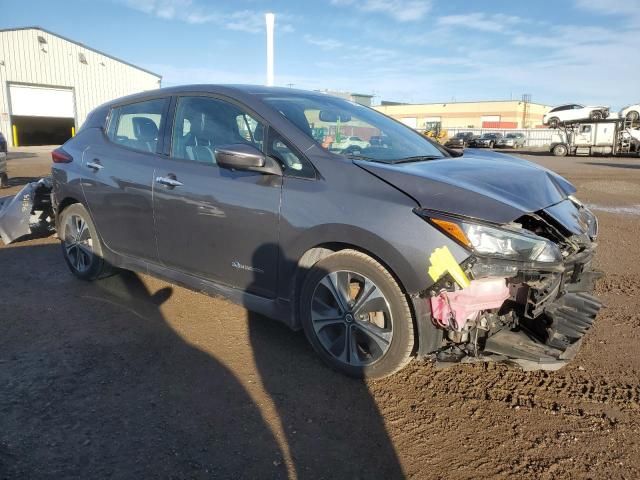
(78, 244)
(351, 318)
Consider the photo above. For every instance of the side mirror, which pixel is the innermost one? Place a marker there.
(241, 156)
(454, 152)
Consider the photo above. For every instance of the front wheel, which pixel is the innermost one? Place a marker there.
(81, 245)
(597, 115)
(356, 317)
(4, 180)
(554, 122)
(633, 116)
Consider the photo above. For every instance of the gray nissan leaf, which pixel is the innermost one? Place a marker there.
(381, 250)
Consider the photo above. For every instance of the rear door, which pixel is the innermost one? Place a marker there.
(211, 222)
(118, 175)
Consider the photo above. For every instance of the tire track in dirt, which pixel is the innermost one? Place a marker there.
(570, 394)
(618, 284)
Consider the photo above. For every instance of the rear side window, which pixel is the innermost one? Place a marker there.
(137, 125)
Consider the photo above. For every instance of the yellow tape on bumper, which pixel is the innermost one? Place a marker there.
(442, 261)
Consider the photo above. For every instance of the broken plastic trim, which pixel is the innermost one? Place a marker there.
(28, 212)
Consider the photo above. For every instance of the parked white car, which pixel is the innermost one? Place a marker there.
(631, 112)
(574, 113)
(346, 142)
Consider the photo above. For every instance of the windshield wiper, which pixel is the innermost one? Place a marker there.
(357, 156)
(418, 158)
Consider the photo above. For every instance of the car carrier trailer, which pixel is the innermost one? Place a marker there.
(601, 137)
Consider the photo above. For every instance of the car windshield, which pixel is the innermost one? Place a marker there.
(351, 129)
(511, 135)
(489, 135)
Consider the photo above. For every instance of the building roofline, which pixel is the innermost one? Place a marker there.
(397, 104)
(35, 27)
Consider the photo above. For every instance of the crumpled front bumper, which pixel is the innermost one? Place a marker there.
(554, 320)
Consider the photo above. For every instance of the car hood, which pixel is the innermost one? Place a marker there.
(493, 188)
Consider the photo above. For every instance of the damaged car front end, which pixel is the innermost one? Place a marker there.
(524, 293)
(522, 290)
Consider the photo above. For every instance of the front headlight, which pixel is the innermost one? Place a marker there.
(499, 242)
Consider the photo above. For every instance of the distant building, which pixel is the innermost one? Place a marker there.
(488, 114)
(361, 98)
(49, 83)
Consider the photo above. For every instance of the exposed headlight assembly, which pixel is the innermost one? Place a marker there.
(496, 241)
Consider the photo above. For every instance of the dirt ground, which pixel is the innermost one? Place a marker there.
(132, 377)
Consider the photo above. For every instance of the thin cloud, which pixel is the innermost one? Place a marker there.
(400, 10)
(496, 23)
(323, 43)
(188, 11)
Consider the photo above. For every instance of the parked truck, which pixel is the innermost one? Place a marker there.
(602, 137)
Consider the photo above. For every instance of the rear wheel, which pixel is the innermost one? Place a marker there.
(81, 245)
(597, 115)
(554, 122)
(560, 150)
(356, 317)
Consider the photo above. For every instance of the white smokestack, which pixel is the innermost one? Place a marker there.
(271, 20)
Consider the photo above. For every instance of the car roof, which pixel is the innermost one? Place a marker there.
(222, 89)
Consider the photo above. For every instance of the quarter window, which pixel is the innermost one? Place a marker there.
(137, 125)
(295, 165)
(202, 124)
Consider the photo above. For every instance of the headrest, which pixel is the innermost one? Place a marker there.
(144, 129)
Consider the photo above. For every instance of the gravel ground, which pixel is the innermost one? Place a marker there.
(132, 377)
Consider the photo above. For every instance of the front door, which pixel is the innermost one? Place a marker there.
(212, 222)
(118, 175)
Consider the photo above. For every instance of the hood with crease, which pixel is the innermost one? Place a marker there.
(496, 188)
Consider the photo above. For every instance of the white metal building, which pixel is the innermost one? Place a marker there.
(49, 83)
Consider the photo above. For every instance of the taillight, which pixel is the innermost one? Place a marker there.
(60, 156)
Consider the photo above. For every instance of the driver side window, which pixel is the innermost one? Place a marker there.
(204, 123)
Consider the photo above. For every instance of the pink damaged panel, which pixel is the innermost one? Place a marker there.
(453, 309)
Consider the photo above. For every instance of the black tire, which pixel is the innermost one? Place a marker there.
(633, 116)
(82, 248)
(491, 144)
(597, 115)
(554, 122)
(560, 150)
(399, 321)
(4, 180)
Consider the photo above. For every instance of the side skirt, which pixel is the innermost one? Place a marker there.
(278, 309)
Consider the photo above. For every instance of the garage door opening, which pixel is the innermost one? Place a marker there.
(32, 131)
(41, 115)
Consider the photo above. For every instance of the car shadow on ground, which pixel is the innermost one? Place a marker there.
(20, 181)
(18, 155)
(95, 383)
(633, 166)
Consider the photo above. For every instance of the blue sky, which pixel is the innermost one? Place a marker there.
(404, 50)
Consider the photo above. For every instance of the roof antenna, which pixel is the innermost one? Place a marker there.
(270, 19)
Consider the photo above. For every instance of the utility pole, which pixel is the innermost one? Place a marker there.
(270, 18)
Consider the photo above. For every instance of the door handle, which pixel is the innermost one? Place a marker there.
(168, 181)
(95, 164)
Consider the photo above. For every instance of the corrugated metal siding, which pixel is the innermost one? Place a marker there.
(99, 80)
